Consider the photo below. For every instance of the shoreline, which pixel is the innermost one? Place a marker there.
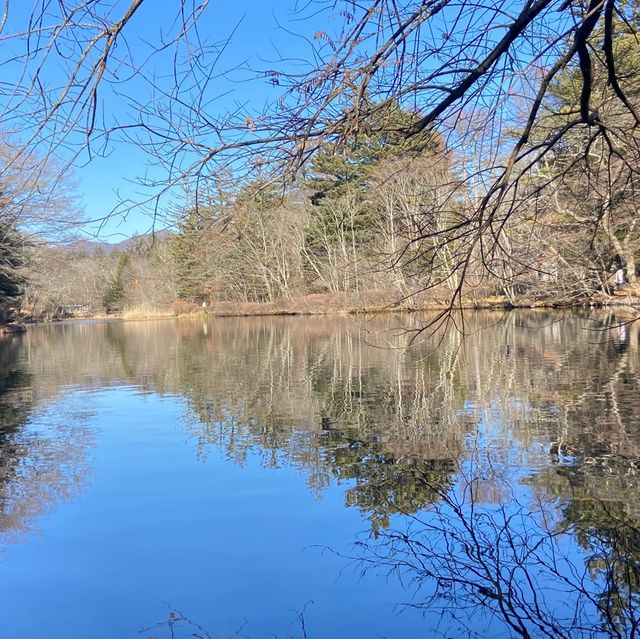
(335, 305)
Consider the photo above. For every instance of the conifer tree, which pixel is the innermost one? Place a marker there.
(114, 294)
(12, 258)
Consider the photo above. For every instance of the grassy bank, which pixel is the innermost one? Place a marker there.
(353, 303)
(369, 302)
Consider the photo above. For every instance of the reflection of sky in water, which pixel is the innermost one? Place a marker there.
(162, 462)
(230, 545)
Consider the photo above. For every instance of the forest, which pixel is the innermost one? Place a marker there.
(467, 168)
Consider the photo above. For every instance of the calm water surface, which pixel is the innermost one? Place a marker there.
(260, 474)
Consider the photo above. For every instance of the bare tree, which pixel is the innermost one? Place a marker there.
(35, 201)
(504, 570)
(479, 73)
(416, 201)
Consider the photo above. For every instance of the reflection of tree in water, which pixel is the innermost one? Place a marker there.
(612, 543)
(532, 403)
(330, 404)
(593, 475)
(39, 467)
(330, 397)
(15, 394)
(506, 570)
(597, 499)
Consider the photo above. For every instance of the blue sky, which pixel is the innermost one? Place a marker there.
(257, 39)
(104, 182)
(276, 34)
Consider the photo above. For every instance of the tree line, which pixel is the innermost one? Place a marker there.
(519, 185)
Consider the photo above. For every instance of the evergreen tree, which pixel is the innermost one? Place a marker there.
(342, 224)
(189, 252)
(12, 258)
(598, 191)
(114, 294)
(336, 169)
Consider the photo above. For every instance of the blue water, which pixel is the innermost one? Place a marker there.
(151, 528)
(227, 474)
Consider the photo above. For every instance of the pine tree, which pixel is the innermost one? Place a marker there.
(600, 191)
(12, 258)
(188, 250)
(114, 294)
(342, 224)
(336, 169)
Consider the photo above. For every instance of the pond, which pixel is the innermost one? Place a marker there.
(321, 477)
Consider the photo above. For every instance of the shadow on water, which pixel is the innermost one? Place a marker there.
(498, 473)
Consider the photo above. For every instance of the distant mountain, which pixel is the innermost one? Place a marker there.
(97, 246)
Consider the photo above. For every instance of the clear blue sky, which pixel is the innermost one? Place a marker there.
(257, 39)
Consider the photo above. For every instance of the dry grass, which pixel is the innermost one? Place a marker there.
(352, 303)
(146, 311)
(347, 303)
